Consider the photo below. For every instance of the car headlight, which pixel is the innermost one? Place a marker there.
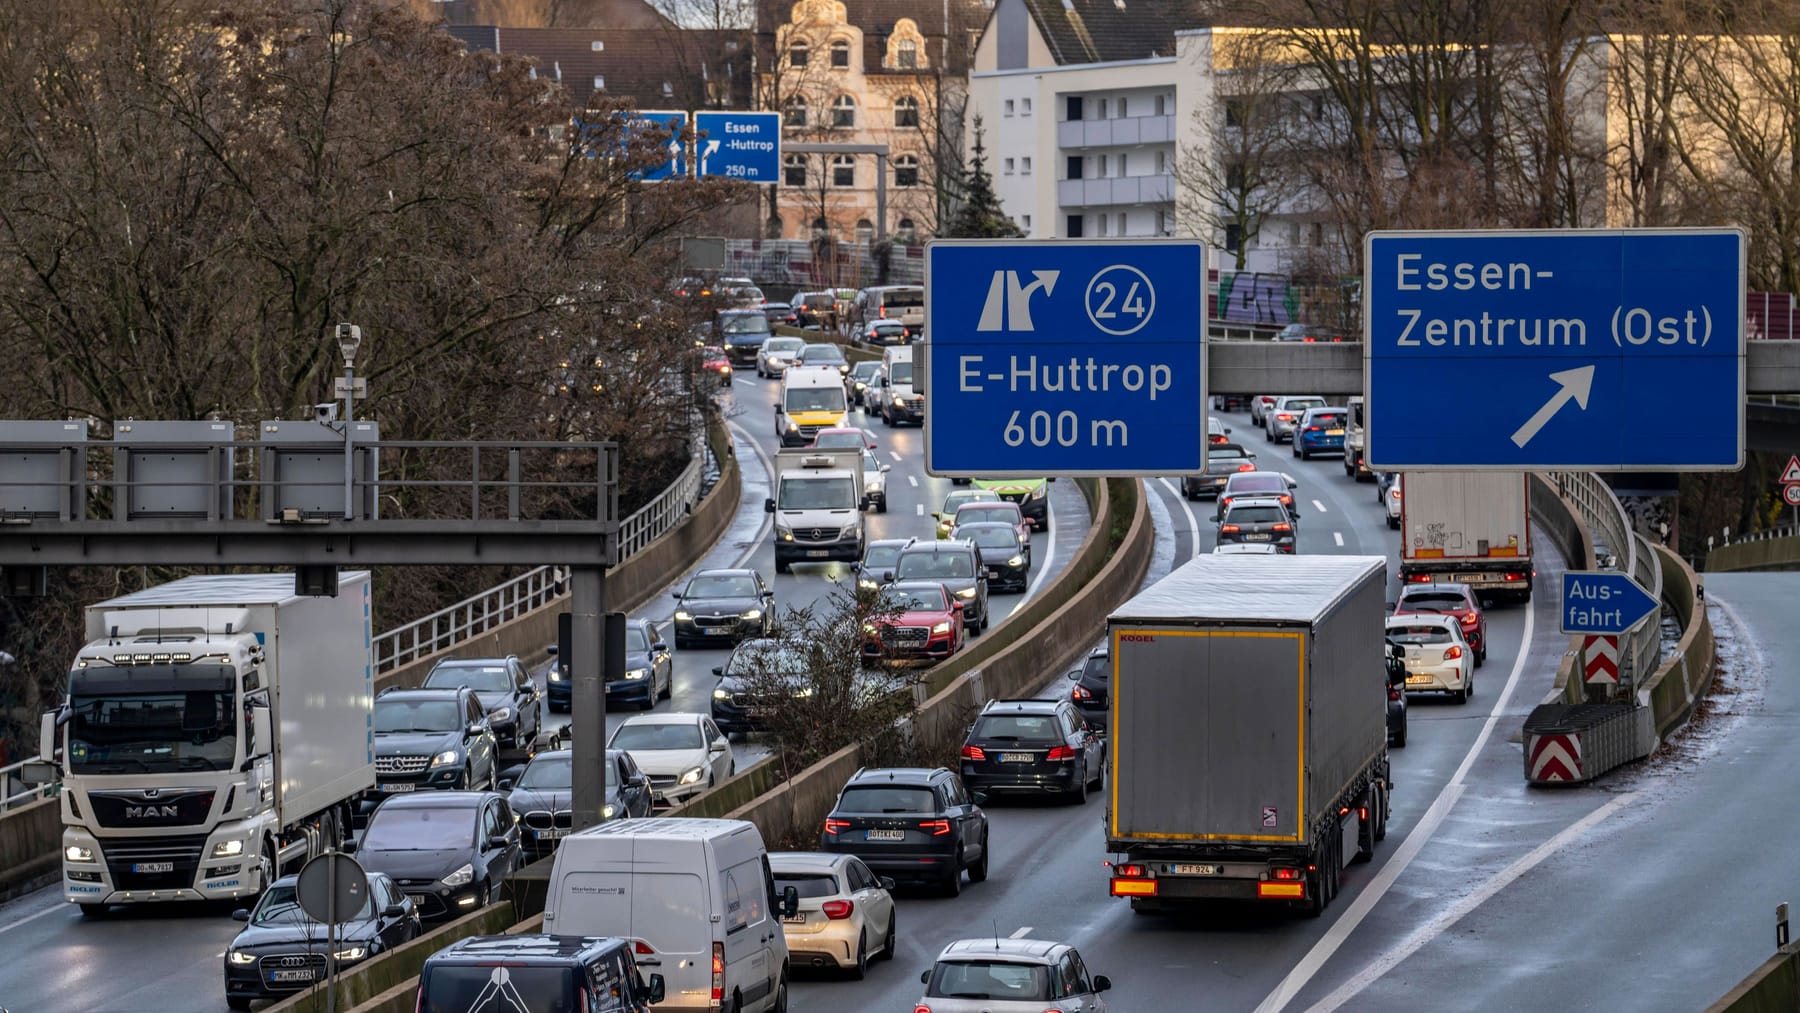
(849, 531)
(77, 853)
(607, 812)
(637, 673)
(803, 692)
(240, 958)
(1038, 493)
(227, 849)
(943, 627)
(793, 426)
(967, 592)
(869, 628)
(861, 385)
(721, 694)
(446, 758)
(556, 673)
(784, 534)
(753, 614)
(1016, 561)
(352, 953)
(460, 877)
(500, 715)
(691, 776)
(681, 616)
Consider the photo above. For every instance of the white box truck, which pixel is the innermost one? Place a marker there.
(215, 730)
(1248, 732)
(818, 506)
(1471, 527)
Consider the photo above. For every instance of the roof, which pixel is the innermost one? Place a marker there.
(1020, 706)
(1102, 31)
(1422, 619)
(726, 571)
(664, 718)
(877, 19)
(524, 947)
(417, 691)
(1228, 588)
(224, 589)
(1043, 951)
(621, 13)
(472, 662)
(654, 66)
(685, 828)
(437, 800)
(805, 861)
(879, 774)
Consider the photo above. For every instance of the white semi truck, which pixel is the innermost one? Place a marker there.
(215, 732)
(1471, 527)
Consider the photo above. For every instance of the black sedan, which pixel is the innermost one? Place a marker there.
(282, 950)
(1223, 460)
(448, 850)
(649, 673)
(540, 796)
(1033, 747)
(1257, 521)
(749, 672)
(723, 606)
(1006, 556)
(1093, 688)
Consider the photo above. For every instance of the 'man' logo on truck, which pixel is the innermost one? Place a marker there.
(1137, 638)
(148, 812)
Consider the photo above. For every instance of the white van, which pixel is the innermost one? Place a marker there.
(905, 303)
(697, 894)
(895, 398)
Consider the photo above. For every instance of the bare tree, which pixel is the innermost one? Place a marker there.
(1645, 87)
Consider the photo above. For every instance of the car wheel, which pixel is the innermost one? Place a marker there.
(891, 945)
(1268, 435)
(1078, 794)
(782, 566)
(1294, 449)
(1393, 523)
(1467, 691)
(881, 505)
(668, 689)
(978, 872)
(953, 885)
(781, 1003)
(861, 968)
(1481, 655)
(1099, 781)
(1400, 736)
(463, 780)
(236, 1002)
(100, 911)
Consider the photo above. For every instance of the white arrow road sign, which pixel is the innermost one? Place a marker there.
(712, 147)
(1575, 383)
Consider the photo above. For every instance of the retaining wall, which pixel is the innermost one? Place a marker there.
(1562, 522)
(30, 847)
(1773, 987)
(1760, 554)
(1686, 673)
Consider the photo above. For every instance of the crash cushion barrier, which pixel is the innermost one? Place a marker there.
(1686, 673)
(373, 977)
(1760, 554)
(30, 847)
(403, 998)
(1562, 521)
(1774, 987)
(628, 586)
(1572, 743)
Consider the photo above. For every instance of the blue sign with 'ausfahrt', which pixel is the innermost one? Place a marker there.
(1603, 603)
(1596, 350)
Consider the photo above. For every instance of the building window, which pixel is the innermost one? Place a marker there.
(1025, 110)
(1318, 106)
(799, 53)
(1120, 110)
(795, 113)
(865, 230)
(1162, 223)
(1102, 224)
(906, 111)
(1009, 166)
(840, 53)
(843, 112)
(1103, 107)
(1162, 162)
(906, 170)
(821, 228)
(908, 55)
(1025, 222)
(1007, 107)
(1072, 107)
(1074, 167)
(906, 230)
(1162, 105)
(1234, 236)
(1102, 173)
(1318, 233)
(1074, 227)
(1121, 229)
(793, 170)
(1234, 112)
(843, 170)
(1025, 166)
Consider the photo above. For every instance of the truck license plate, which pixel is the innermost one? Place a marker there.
(817, 553)
(887, 835)
(396, 787)
(1194, 870)
(304, 974)
(153, 867)
(1015, 757)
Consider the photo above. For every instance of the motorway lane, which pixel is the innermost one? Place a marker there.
(1047, 881)
(151, 960)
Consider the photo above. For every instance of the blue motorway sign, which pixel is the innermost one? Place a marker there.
(739, 145)
(1603, 603)
(674, 123)
(1064, 357)
(1591, 350)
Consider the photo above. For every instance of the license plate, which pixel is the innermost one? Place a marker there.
(1257, 536)
(396, 787)
(1418, 680)
(717, 631)
(1016, 757)
(1194, 870)
(817, 553)
(793, 920)
(1474, 578)
(551, 835)
(886, 835)
(657, 796)
(304, 974)
(1334, 432)
(992, 573)
(153, 867)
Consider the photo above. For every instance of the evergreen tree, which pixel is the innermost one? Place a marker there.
(980, 216)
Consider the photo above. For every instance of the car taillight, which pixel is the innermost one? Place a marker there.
(1287, 500)
(1315, 429)
(1284, 527)
(974, 753)
(1246, 467)
(1470, 619)
(921, 1008)
(1393, 692)
(833, 826)
(1080, 693)
(1228, 529)
(1308, 340)
(838, 910)
(1452, 652)
(1284, 875)
(642, 948)
(718, 969)
(1060, 753)
(1513, 576)
(1393, 493)
(1418, 578)
(938, 828)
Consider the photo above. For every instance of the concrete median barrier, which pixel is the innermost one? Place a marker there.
(400, 965)
(30, 841)
(1687, 672)
(1769, 554)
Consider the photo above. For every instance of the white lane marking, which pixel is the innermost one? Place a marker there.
(1021, 933)
(895, 454)
(1338, 537)
(1319, 505)
(768, 523)
(1365, 902)
(918, 509)
(913, 480)
(33, 917)
(1188, 509)
(1423, 935)
(1042, 567)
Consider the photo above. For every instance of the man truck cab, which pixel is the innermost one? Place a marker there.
(818, 506)
(811, 400)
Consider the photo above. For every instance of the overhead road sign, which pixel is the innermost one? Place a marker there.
(1590, 350)
(1603, 602)
(674, 122)
(1064, 357)
(739, 145)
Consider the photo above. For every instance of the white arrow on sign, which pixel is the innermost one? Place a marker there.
(711, 148)
(1576, 385)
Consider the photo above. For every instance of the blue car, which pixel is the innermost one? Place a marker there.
(649, 671)
(1320, 431)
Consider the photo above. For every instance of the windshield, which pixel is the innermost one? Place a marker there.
(889, 330)
(480, 678)
(782, 346)
(934, 565)
(635, 639)
(977, 512)
(990, 979)
(919, 599)
(865, 370)
(821, 353)
(1097, 668)
(1258, 483)
(882, 798)
(766, 658)
(900, 373)
(498, 988)
(416, 829)
(281, 906)
(152, 719)
(1418, 634)
(1300, 404)
(903, 297)
(1332, 419)
(1434, 600)
(1255, 515)
(746, 323)
(550, 773)
(880, 556)
(1022, 727)
(417, 716)
(647, 736)
(815, 399)
(817, 494)
(836, 441)
(993, 538)
(720, 587)
(809, 885)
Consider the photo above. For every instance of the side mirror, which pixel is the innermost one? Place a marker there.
(504, 784)
(887, 467)
(659, 646)
(1389, 607)
(1102, 983)
(980, 797)
(719, 670)
(719, 746)
(768, 508)
(393, 911)
(887, 882)
(956, 606)
(1227, 430)
(261, 729)
(925, 976)
(790, 902)
(241, 914)
(36, 772)
(477, 727)
(348, 846)
(498, 841)
(675, 595)
(1291, 483)
(1074, 674)
(657, 989)
(887, 577)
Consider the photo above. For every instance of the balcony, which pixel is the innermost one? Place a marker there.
(1124, 130)
(1151, 189)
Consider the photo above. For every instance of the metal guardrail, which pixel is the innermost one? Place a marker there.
(1617, 547)
(1784, 531)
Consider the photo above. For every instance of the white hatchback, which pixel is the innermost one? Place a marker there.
(1438, 659)
(846, 913)
(684, 754)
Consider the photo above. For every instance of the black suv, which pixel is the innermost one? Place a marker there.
(956, 565)
(537, 972)
(732, 709)
(449, 851)
(1092, 689)
(515, 712)
(911, 823)
(741, 333)
(430, 738)
(1258, 521)
(1033, 746)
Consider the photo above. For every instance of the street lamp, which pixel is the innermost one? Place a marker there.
(349, 339)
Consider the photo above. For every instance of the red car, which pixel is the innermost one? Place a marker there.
(842, 436)
(712, 360)
(922, 621)
(1448, 599)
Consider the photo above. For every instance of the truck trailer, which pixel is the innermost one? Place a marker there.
(1470, 527)
(1248, 736)
(216, 729)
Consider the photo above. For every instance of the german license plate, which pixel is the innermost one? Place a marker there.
(817, 553)
(993, 573)
(303, 974)
(552, 834)
(153, 867)
(658, 796)
(717, 631)
(1194, 870)
(1016, 757)
(1475, 578)
(1334, 432)
(1418, 680)
(1257, 536)
(793, 920)
(886, 835)
(396, 787)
